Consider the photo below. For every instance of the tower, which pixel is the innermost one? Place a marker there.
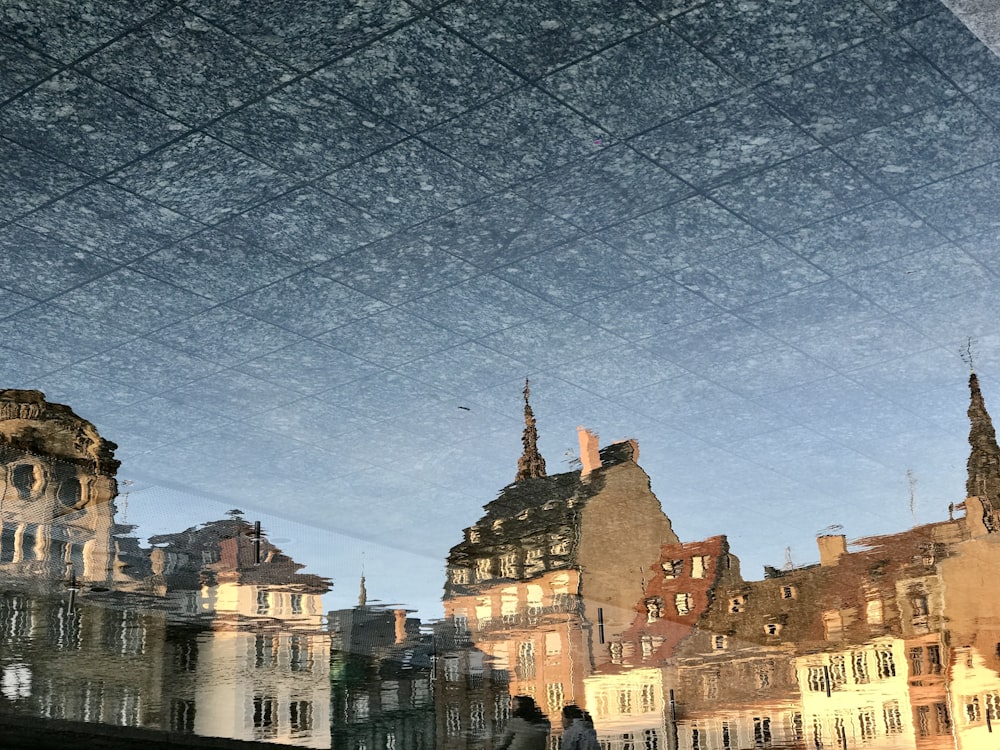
(530, 465)
(983, 484)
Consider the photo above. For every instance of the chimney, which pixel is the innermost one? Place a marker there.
(831, 547)
(400, 623)
(590, 457)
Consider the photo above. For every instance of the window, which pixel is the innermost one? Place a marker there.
(916, 660)
(763, 674)
(624, 702)
(919, 604)
(838, 671)
(453, 721)
(683, 603)
(647, 699)
(859, 663)
(710, 685)
(182, 715)
(501, 709)
(296, 604)
(772, 628)
(654, 609)
(554, 697)
(459, 575)
(866, 723)
(525, 667)
(873, 611)
(893, 719)
(451, 668)
(299, 653)
(727, 738)
(508, 565)
(300, 717)
(263, 602)
(699, 566)
(673, 568)
(789, 592)
(477, 719)
(737, 604)
(484, 569)
(762, 731)
(264, 717)
(816, 679)
(885, 662)
(933, 660)
(720, 643)
(973, 714)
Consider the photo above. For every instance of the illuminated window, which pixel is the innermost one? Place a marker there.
(699, 565)
(683, 603)
(859, 663)
(973, 713)
(885, 662)
(893, 719)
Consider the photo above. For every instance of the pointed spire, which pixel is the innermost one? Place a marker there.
(984, 459)
(530, 465)
(363, 594)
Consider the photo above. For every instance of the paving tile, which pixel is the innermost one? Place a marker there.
(148, 365)
(615, 184)
(517, 136)
(308, 367)
(407, 183)
(203, 179)
(390, 338)
(926, 147)
(419, 76)
(553, 340)
(216, 266)
(185, 68)
(960, 206)
(318, 30)
(110, 222)
(82, 123)
(306, 226)
(953, 49)
(22, 68)
(678, 235)
(308, 304)
(544, 35)
(863, 237)
(641, 82)
(31, 179)
(758, 41)
(397, 269)
(721, 143)
(306, 130)
(806, 189)
(40, 267)
(51, 334)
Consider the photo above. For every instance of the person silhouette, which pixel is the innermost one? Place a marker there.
(528, 728)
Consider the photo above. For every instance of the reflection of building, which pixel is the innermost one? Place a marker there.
(546, 579)
(215, 631)
(381, 686)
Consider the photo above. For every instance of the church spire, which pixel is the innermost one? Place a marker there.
(984, 458)
(363, 593)
(530, 465)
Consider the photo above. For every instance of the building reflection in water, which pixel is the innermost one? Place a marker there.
(571, 588)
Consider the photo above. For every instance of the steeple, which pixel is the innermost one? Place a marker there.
(984, 459)
(363, 594)
(530, 465)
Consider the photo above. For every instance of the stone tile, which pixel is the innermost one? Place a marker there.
(308, 367)
(926, 147)
(306, 226)
(308, 304)
(613, 185)
(231, 394)
(110, 222)
(318, 30)
(899, 12)
(618, 371)
(576, 271)
(863, 237)
(759, 41)
(82, 123)
(419, 76)
(769, 371)
(20, 370)
(478, 307)
(724, 142)
(953, 49)
(407, 183)
(11, 302)
(22, 68)
(225, 337)
(703, 346)
(157, 422)
(311, 421)
(960, 206)
(52, 334)
(923, 278)
(553, 340)
(131, 301)
(545, 35)
(40, 267)
(647, 309)
(678, 235)
(641, 82)
(496, 230)
(31, 179)
(517, 136)
(746, 276)
(89, 395)
(203, 178)
(185, 67)
(397, 269)
(985, 248)
(216, 266)
(803, 190)
(858, 89)
(390, 338)
(812, 312)
(854, 347)
(382, 396)
(148, 365)
(66, 29)
(987, 98)
(463, 369)
(306, 130)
